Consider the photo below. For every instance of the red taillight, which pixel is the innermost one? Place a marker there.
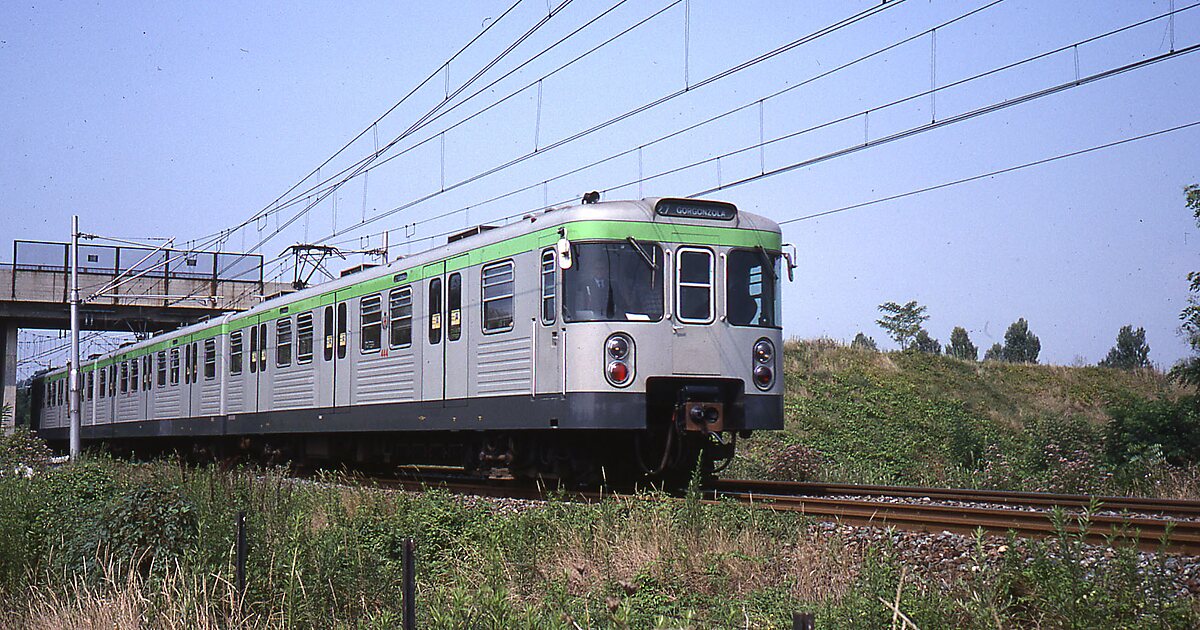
(618, 372)
(763, 376)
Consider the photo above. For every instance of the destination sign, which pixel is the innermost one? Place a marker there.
(693, 209)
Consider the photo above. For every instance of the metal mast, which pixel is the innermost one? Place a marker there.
(73, 401)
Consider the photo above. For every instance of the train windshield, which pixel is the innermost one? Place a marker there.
(618, 281)
(753, 288)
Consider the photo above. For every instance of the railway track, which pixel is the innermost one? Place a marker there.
(1144, 522)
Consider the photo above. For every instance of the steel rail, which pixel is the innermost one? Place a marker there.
(1165, 507)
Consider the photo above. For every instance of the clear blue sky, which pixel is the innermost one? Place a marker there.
(179, 119)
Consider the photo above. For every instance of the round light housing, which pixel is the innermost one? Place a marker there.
(764, 351)
(618, 372)
(617, 347)
(763, 376)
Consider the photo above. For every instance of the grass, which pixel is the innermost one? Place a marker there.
(326, 555)
(858, 415)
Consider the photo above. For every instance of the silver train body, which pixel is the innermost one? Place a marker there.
(556, 343)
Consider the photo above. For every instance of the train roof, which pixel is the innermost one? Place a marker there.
(649, 210)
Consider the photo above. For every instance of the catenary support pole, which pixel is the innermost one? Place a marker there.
(73, 368)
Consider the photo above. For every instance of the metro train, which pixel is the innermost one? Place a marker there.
(623, 339)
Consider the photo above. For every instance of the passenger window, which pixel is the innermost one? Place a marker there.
(162, 369)
(370, 314)
(253, 349)
(262, 347)
(187, 363)
(283, 342)
(235, 353)
(694, 285)
(91, 383)
(454, 306)
(124, 377)
(497, 288)
(304, 337)
(103, 382)
(210, 359)
(147, 372)
(400, 311)
(174, 366)
(133, 375)
(341, 331)
(328, 332)
(549, 271)
(435, 311)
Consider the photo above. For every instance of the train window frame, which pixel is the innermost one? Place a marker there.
(174, 366)
(283, 342)
(327, 334)
(148, 372)
(91, 384)
(549, 282)
(304, 337)
(498, 282)
(262, 347)
(776, 288)
(124, 377)
(435, 311)
(709, 286)
(343, 327)
(370, 324)
(454, 309)
(254, 349)
(400, 316)
(187, 363)
(210, 359)
(112, 380)
(161, 361)
(236, 352)
(582, 273)
(102, 381)
(134, 381)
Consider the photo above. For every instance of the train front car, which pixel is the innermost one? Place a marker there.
(671, 329)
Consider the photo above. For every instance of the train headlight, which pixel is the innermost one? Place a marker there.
(763, 377)
(618, 359)
(617, 346)
(764, 351)
(618, 373)
(764, 364)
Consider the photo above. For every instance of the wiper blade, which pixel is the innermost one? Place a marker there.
(641, 252)
(768, 263)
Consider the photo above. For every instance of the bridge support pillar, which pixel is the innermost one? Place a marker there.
(8, 373)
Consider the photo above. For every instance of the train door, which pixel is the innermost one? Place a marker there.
(695, 347)
(265, 370)
(343, 381)
(433, 358)
(456, 359)
(324, 322)
(547, 348)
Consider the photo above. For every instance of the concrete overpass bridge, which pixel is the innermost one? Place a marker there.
(161, 290)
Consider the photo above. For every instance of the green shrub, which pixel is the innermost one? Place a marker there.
(147, 525)
(1171, 426)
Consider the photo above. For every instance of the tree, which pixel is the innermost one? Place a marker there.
(1131, 351)
(1020, 345)
(995, 353)
(1188, 370)
(864, 342)
(960, 345)
(924, 343)
(902, 322)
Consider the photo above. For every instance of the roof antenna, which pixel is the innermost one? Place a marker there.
(591, 197)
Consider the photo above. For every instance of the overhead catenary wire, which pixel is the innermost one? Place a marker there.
(1002, 171)
(633, 112)
(709, 80)
(692, 127)
(370, 127)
